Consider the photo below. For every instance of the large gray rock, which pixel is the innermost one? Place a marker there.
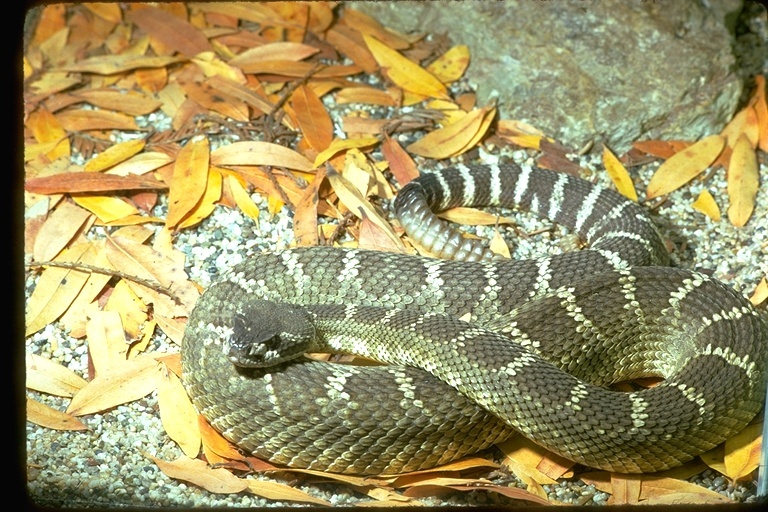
(605, 71)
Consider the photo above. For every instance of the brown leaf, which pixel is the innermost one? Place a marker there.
(83, 120)
(217, 101)
(190, 177)
(56, 289)
(305, 215)
(401, 164)
(659, 490)
(365, 95)
(682, 167)
(107, 346)
(59, 229)
(282, 492)
(79, 182)
(283, 50)
(172, 31)
(46, 128)
(48, 417)
(197, 472)
(129, 102)
(123, 383)
(260, 153)
(111, 64)
(349, 42)
(758, 102)
(313, 118)
(625, 489)
(48, 377)
(136, 259)
(290, 69)
(743, 123)
(660, 148)
(141, 164)
(340, 145)
(743, 182)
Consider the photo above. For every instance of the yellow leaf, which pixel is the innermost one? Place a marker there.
(260, 153)
(60, 228)
(113, 155)
(48, 377)
(685, 165)
(243, 199)
(405, 73)
(177, 413)
(742, 452)
(106, 208)
(619, 174)
(207, 203)
(48, 417)
(359, 205)
(123, 383)
(451, 65)
(742, 182)
(455, 138)
(141, 163)
(743, 123)
(760, 293)
(282, 492)
(132, 311)
(190, 176)
(106, 341)
(498, 245)
(669, 490)
(706, 204)
(339, 145)
(197, 472)
(211, 65)
(56, 289)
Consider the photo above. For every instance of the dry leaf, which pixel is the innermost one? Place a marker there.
(243, 199)
(366, 96)
(360, 207)
(48, 377)
(106, 208)
(758, 102)
(82, 120)
(339, 145)
(46, 127)
(659, 490)
(207, 203)
(60, 228)
(129, 102)
(170, 30)
(107, 346)
(313, 118)
(260, 153)
(141, 164)
(742, 452)
(123, 383)
(114, 155)
(177, 413)
(305, 216)
(743, 182)
(625, 489)
(455, 138)
(132, 311)
(48, 417)
(401, 164)
(706, 204)
(451, 65)
(56, 289)
(405, 73)
(197, 472)
(282, 492)
(761, 293)
(190, 176)
(111, 64)
(619, 175)
(661, 148)
(83, 182)
(685, 165)
(743, 123)
(283, 50)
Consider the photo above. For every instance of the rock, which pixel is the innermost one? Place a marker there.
(581, 71)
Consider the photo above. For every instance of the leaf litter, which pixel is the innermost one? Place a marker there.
(277, 80)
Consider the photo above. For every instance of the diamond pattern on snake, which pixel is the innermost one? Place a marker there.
(474, 347)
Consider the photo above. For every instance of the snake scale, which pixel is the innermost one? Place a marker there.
(477, 348)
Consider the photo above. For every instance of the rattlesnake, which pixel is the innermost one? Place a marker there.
(579, 321)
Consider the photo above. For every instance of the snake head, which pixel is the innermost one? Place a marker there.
(265, 333)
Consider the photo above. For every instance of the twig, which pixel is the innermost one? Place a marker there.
(152, 285)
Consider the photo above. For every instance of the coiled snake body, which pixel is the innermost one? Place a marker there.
(478, 349)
